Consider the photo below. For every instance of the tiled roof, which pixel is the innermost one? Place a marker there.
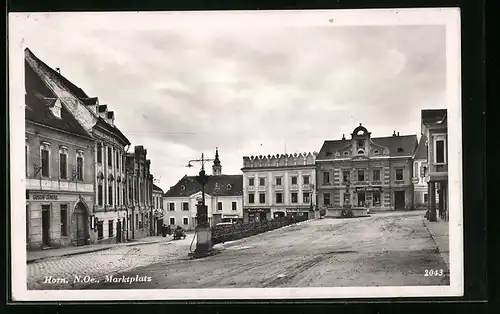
(421, 152)
(431, 116)
(110, 128)
(223, 185)
(400, 145)
(38, 100)
(157, 188)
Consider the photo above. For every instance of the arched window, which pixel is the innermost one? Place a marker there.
(361, 152)
(376, 152)
(79, 165)
(346, 153)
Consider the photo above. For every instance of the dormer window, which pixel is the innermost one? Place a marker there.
(361, 152)
(229, 187)
(376, 152)
(183, 188)
(346, 153)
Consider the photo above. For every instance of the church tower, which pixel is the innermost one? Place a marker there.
(217, 168)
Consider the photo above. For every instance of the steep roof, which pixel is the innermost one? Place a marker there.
(407, 143)
(421, 152)
(113, 129)
(222, 185)
(431, 116)
(38, 100)
(157, 188)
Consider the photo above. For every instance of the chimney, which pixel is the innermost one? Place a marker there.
(398, 133)
(394, 133)
(343, 137)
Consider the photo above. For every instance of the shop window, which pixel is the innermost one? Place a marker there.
(399, 174)
(262, 198)
(99, 152)
(278, 180)
(294, 198)
(100, 230)
(233, 206)
(326, 199)
(251, 198)
(251, 181)
(185, 221)
(279, 198)
(376, 199)
(172, 220)
(346, 176)
(219, 205)
(326, 177)
(306, 179)
(376, 175)
(185, 206)
(294, 180)
(110, 228)
(305, 197)
(64, 220)
(361, 175)
(99, 195)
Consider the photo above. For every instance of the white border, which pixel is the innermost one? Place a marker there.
(450, 17)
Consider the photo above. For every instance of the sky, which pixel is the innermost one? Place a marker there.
(184, 91)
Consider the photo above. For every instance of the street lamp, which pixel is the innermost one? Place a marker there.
(203, 231)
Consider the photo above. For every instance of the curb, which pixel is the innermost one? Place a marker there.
(441, 254)
(94, 250)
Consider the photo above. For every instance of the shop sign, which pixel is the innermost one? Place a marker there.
(257, 210)
(296, 210)
(45, 197)
(369, 189)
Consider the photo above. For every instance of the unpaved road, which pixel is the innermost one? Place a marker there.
(388, 249)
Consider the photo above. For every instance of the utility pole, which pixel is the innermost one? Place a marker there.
(203, 230)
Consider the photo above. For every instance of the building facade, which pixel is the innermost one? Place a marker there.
(366, 172)
(419, 170)
(223, 198)
(106, 214)
(435, 129)
(278, 186)
(158, 212)
(140, 194)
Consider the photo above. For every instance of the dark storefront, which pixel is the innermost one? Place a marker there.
(370, 196)
(256, 215)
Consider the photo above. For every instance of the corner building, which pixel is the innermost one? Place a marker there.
(365, 171)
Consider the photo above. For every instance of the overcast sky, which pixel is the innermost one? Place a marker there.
(181, 92)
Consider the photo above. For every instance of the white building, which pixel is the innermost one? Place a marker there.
(223, 197)
(276, 186)
(157, 209)
(419, 172)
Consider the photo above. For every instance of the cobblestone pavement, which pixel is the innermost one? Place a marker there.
(62, 271)
(386, 249)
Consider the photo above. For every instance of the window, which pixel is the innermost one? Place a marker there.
(294, 198)
(326, 199)
(346, 176)
(262, 198)
(171, 207)
(123, 195)
(130, 191)
(117, 196)
(360, 143)
(141, 223)
(185, 221)
(110, 157)
(233, 206)
(161, 203)
(278, 180)
(64, 220)
(361, 152)
(99, 152)
(110, 228)
(326, 177)
(439, 155)
(251, 198)
(172, 220)
(400, 150)
(305, 197)
(376, 152)
(294, 180)
(279, 198)
(63, 164)
(79, 166)
(262, 181)
(117, 163)
(376, 199)
(219, 205)
(376, 175)
(45, 161)
(137, 221)
(399, 174)
(99, 195)
(346, 153)
(305, 179)
(100, 230)
(347, 197)
(361, 175)
(425, 198)
(110, 195)
(251, 181)
(185, 206)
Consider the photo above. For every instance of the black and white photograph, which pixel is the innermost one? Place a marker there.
(236, 155)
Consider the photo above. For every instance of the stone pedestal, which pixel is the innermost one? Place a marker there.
(203, 240)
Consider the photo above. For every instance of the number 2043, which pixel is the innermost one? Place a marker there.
(433, 272)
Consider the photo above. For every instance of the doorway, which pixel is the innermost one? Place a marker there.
(158, 226)
(118, 231)
(399, 199)
(46, 225)
(79, 225)
(361, 199)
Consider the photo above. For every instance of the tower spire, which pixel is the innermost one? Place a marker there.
(217, 168)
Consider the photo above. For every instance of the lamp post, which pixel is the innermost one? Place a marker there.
(203, 231)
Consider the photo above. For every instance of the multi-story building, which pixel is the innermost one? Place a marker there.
(435, 129)
(366, 172)
(59, 170)
(275, 186)
(223, 198)
(157, 209)
(106, 214)
(140, 193)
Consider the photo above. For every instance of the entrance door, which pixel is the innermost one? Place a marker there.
(118, 231)
(46, 225)
(399, 199)
(158, 226)
(361, 199)
(79, 224)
